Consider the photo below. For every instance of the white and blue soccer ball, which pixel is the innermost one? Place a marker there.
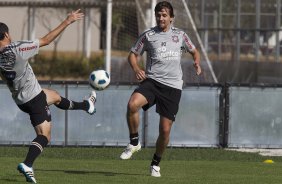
(99, 79)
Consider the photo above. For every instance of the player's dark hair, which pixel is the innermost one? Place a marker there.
(164, 4)
(3, 29)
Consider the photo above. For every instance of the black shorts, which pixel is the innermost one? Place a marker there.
(38, 109)
(166, 98)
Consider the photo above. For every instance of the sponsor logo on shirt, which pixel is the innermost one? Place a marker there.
(163, 53)
(27, 48)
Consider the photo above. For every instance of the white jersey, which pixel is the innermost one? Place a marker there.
(164, 51)
(17, 72)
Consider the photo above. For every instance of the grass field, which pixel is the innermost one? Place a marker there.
(103, 166)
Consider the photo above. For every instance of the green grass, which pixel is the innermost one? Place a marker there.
(102, 166)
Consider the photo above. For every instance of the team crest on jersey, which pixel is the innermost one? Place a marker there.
(175, 39)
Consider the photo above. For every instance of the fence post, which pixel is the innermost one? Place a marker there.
(109, 36)
(66, 117)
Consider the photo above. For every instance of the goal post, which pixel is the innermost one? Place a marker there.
(206, 58)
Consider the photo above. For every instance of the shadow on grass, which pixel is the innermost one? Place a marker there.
(6, 180)
(12, 179)
(89, 172)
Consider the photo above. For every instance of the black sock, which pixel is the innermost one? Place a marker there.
(156, 160)
(134, 139)
(67, 104)
(36, 147)
(81, 105)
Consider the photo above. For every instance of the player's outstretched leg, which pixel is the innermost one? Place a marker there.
(27, 172)
(63, 103)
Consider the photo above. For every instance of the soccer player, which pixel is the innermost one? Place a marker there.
(161, 83)
(28, 94)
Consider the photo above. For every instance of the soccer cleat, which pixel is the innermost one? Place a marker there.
(91, 100)
(27, 172)
(129, 150)
(155, 171)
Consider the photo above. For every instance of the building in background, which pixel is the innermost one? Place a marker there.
(33, 19)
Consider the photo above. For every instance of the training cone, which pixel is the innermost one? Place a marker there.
(268, 161)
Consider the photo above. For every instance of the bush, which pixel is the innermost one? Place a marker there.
(65, 66)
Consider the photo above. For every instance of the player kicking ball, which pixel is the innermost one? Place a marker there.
(161, 83)
(28, 94)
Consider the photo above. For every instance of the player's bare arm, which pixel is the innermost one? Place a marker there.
(72, 17)
(133, 61)
(196, 58)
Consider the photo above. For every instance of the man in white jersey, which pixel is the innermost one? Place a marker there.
(28, 94)
(161, 83)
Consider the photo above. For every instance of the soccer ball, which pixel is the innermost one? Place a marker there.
(99, 79)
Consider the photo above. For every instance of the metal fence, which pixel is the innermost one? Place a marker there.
(211, 115)
(254, 116)
(248, 30)
(196, 124)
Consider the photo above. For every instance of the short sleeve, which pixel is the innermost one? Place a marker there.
(27, 49)
(139, 47)
(187, 43)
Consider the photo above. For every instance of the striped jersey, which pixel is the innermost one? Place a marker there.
(17, 72)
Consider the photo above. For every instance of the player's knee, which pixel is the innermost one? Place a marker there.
(164, 132)
(132, 106)
(56, 96)
(44, 129)
(46, 137)
(53, 97)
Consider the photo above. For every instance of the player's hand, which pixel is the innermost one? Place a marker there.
(74, 16)
(198, 68)
(140, 75)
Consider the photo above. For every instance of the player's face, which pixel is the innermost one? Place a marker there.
(163, 19)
